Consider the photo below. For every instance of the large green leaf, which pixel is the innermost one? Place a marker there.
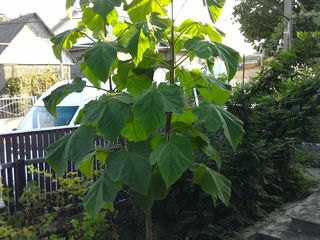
(134, 130)
(65, 41)
(213, 183)
(93, 20)
(80, 144)
(215, 117)
(138, 10)
(173, 157)
(108, 114)
(208, 86)
(103, 7)
(205, 50)
(191, 28)
(214, 8)
(131, 167)
(102, 191)
(54, 155)
(151, 106)
(57, 95)
(136, 40)
(73, 147)
(157, 191)
(100, 58)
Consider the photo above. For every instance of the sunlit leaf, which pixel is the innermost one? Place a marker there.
(139, 9)
(65, 41)
(205, 50)
(214, 117)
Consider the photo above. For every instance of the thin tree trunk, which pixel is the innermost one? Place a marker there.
(149, 225)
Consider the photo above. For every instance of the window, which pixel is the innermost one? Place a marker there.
(39, 117)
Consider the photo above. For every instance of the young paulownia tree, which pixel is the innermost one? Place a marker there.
(155, 122)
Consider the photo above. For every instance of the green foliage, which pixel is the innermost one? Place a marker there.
(280, 112)
(59, 215)
(141, 109)
(30, 85)
(271, 24)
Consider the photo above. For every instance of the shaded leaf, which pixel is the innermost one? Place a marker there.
(173, 157)
(151, 106)
(103, 7)
(213, 183)
(134, 130)
(58, 94)
(131, 167)
(108, 114)
(101, 192)
(73, 147)
(99, 59)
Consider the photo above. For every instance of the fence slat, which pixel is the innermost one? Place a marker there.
(20, 149)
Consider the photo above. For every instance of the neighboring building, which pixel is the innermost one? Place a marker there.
(250, 69)
(26, 49)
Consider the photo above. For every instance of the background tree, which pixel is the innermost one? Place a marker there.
(152, 120)
(264, 26)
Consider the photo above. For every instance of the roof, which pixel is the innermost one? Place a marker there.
(10, 29)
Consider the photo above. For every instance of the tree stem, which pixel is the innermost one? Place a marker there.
(149, 225)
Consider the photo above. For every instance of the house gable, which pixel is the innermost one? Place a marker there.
(30, 44)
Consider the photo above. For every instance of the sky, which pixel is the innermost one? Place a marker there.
(51, 11)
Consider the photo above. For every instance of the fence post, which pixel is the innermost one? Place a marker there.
(20, 180)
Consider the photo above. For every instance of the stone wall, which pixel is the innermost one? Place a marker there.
(16, 71)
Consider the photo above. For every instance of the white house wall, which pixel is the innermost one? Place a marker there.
(31, 46)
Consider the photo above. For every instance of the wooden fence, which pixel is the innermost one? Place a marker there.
(14, 107)
(20, 149)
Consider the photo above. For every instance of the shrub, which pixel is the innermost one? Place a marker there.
(31, 85)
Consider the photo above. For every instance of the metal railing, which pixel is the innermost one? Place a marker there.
(14, 107)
